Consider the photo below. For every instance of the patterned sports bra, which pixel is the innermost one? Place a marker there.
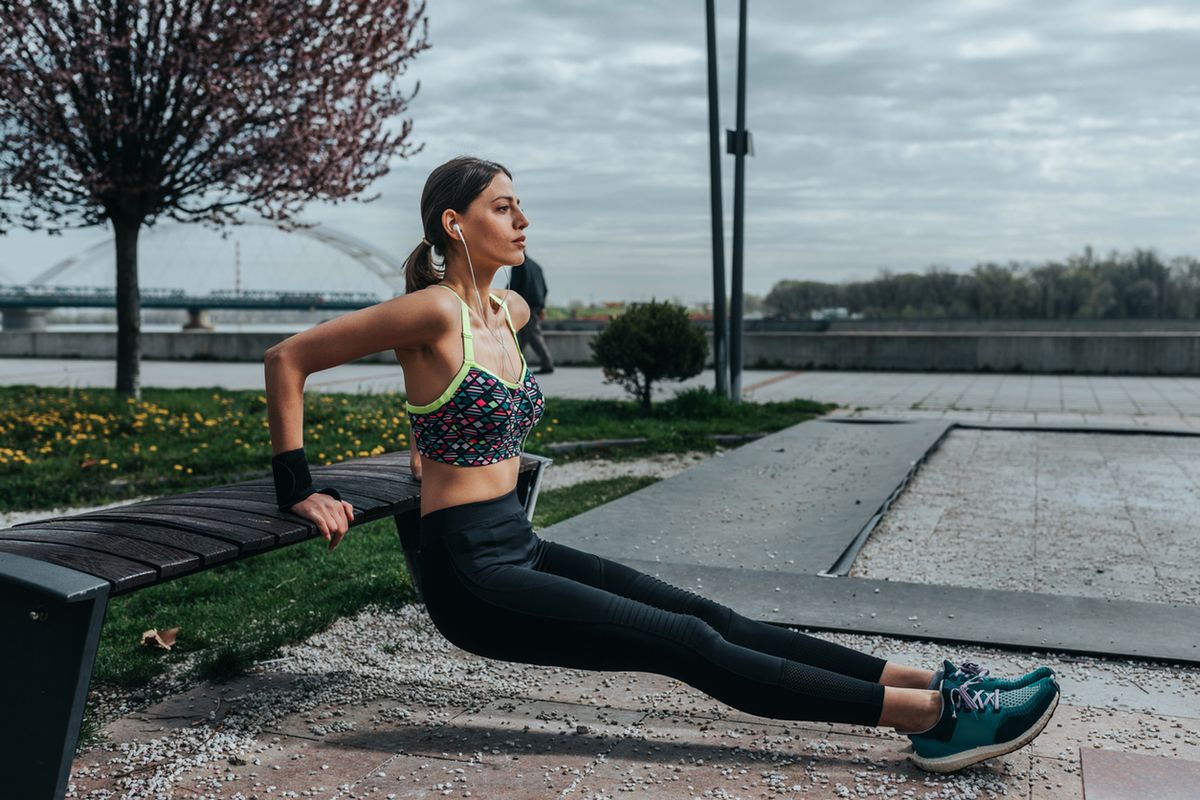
(480, 418)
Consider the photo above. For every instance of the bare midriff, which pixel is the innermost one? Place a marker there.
(444, 485)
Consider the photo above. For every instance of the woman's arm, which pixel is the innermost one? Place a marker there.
(403, 322)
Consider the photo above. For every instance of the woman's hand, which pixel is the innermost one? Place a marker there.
(332, 517)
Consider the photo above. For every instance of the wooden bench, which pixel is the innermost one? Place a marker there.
(56, 576)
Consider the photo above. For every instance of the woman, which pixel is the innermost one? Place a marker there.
(493, 587)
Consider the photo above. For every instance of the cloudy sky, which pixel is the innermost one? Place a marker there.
(887, 135)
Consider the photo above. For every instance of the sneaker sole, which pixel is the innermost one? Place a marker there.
(974, 756)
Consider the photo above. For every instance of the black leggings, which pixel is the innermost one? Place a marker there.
(494, 588)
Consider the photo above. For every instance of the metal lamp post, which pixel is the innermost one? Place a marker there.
(740, 143)
(720, 353)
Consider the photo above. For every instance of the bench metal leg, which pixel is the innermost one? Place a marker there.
(529, 483)
(50, 619)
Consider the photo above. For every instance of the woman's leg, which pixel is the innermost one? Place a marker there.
(612, 576)
(488, 586)
(482, 595)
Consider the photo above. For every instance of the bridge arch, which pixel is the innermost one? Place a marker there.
(383, 265)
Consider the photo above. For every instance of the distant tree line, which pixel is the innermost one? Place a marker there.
(1139, 285)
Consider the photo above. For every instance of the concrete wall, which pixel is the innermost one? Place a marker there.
(1142, 353)
(1015, 325)
(1095, 353)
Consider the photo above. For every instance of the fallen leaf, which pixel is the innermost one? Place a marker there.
(160, 639)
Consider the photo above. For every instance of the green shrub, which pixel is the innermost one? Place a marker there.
(700, 402)
(650, 342)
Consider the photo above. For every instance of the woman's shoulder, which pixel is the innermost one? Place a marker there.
(517, 307)
(440, 297)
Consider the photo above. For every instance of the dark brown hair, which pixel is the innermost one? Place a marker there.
(455, 185)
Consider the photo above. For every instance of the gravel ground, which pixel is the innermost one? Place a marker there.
(399, 658)
(568, 473)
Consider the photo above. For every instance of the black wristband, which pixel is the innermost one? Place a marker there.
(293, 482)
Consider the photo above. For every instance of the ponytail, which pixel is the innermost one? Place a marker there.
(419, 269)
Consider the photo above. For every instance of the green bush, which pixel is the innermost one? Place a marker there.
(650, 342)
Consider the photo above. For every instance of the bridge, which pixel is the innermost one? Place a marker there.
(17, 299)
(276, 263)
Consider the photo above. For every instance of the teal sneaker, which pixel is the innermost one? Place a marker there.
(977, 724)
(970, 671)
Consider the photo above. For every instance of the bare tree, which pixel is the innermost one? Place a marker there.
(124, 112)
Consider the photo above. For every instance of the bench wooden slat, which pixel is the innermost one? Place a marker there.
(122, 573)
(167, 561)
(209, 549)
(382, 474)
(366, 508)
(393, 487)
(378, 471)
(248, 538)
(376, 497)
(288, 527)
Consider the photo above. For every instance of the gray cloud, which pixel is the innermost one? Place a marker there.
(887, 135)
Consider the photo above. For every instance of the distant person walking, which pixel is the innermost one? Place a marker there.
(528, 281)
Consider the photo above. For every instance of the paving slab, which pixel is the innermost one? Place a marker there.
(416, 778)
(1113, 775)
(1091, 514)
(1055, 779)
(791, 502)
(1030, 621)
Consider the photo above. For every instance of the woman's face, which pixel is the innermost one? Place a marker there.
(494, 225)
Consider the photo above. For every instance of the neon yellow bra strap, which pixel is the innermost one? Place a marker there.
(468, 344)
(511, 327)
